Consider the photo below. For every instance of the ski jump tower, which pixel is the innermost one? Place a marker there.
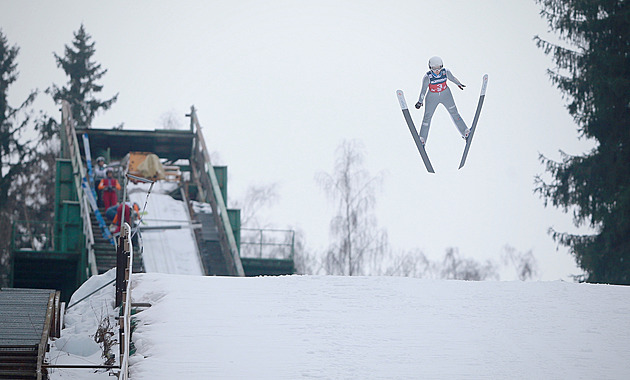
(74, 247)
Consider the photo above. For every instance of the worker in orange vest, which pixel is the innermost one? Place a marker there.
(109, 186)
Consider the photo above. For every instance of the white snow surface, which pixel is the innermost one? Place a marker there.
(170, 250)
(326, 327)
(81, 320)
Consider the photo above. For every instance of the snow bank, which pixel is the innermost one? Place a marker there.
(377, 327)
(358, 327)
(76, 344)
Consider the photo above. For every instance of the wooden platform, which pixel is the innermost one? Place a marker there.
(27, 318)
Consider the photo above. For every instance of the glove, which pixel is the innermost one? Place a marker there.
(461, 86)
(418, 105)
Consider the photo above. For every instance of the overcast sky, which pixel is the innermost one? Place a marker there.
(280, 84)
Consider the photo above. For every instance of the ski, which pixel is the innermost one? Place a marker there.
(90, 191)
(414, 132)
(474, 124)
(88, 160)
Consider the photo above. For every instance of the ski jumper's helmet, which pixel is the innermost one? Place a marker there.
(435, 63)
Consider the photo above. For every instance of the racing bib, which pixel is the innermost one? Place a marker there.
(437, 83)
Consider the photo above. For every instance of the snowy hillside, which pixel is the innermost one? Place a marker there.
(365, 328)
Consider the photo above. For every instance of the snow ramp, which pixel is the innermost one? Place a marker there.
(168, 240)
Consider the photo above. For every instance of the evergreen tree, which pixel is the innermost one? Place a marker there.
(593, 72)
(17, 154)
(84, 73)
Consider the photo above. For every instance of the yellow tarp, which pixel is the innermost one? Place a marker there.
(146, 165)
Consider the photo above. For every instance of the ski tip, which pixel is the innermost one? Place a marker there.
(484, 85)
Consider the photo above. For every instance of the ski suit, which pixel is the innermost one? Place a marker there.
(109, 186)
(439, 93)
(128, 215)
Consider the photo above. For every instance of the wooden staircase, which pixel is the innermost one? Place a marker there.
(17, 363)
(210, 250)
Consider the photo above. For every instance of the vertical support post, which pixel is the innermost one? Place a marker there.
(292, 244)
(123, 278)
(121, 264)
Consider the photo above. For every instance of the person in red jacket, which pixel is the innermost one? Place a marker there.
(109, 186)
(128, 213)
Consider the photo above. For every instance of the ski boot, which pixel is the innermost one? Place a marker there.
(466, 134)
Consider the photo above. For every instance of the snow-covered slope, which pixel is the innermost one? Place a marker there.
(169, 250)
(378, 328)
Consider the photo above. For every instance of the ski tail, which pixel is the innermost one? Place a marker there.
(414, 132)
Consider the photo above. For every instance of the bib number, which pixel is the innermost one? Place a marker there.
(437, 87)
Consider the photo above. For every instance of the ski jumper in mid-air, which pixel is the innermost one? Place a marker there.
(438, 92)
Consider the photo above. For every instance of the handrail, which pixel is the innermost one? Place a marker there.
(190, 222)
(282, 241)
(77, 168)
(41, 347)
(215, 197)
(91, 294)
(40, 235)
(89, 238)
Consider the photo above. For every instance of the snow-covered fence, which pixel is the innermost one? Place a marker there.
(124, 268)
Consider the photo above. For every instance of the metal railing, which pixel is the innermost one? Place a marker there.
(124, 270)
(210, 192)
(40, 236)
(267, 243)
(73, 152)
(33, 236)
